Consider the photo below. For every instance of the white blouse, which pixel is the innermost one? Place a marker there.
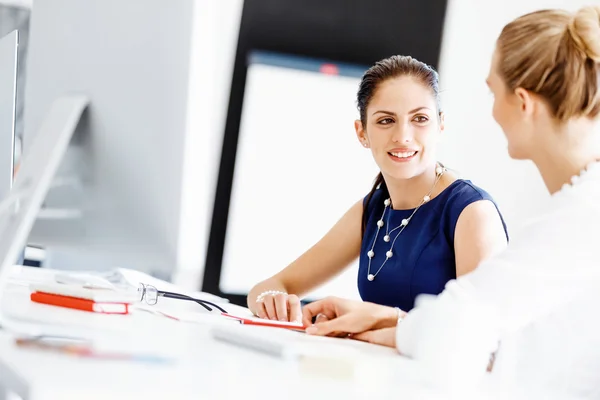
(536, 306)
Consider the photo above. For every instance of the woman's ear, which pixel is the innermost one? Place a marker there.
(442, 122)
(361, 134)
(526, 101)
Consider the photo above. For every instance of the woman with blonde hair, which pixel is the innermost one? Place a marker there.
(529, 314)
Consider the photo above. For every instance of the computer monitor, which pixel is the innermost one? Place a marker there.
(8, 99)
(115, 200)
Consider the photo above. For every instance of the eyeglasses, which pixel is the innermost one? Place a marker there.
(150, 294)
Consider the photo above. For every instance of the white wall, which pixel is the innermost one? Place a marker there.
(473, 143)
(213, 49)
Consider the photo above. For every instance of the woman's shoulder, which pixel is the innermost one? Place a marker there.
(457, 196)
(464, 190)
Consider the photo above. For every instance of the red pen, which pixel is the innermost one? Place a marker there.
(267, 322)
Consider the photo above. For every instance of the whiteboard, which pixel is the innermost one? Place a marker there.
(298, 168)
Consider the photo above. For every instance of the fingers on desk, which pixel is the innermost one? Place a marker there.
(281, 307)
(260, 310)
(295, 308)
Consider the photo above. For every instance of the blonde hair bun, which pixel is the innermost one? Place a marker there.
(555, 54)
(585, 30)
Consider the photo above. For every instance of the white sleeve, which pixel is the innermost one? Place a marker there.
(552, 265)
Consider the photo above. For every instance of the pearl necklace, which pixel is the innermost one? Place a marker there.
(439, 172)
(576, 178)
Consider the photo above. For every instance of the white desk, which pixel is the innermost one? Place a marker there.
(203, 367)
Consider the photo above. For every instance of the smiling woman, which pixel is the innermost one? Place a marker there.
(419, 227)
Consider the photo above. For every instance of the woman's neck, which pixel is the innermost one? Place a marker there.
(568, 150)
(408, 193)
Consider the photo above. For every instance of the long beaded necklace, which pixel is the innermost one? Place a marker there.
(439, 172)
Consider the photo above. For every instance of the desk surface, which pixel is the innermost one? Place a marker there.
(200, 367)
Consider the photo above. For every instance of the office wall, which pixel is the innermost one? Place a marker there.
(215, 36)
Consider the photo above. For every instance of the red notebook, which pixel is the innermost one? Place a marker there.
(79, 303)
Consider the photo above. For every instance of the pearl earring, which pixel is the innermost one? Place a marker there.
(365, 144)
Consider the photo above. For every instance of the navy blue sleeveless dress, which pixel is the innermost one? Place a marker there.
(423, 259)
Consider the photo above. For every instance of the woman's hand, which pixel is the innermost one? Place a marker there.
(383, 337)
(279, 306)
(342, 317)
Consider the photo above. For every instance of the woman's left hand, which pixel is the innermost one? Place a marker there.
(384, 337)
